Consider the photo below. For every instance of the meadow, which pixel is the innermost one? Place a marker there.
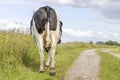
(116, 50)
(19, 58)
(109, 66)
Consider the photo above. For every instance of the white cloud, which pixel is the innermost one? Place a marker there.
(16, 27)
(2, 21)
(108, 8)
(90, 34)
(57, 2)
(15, 2)
(77, 33)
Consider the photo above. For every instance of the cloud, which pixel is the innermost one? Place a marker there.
(77, 33)
(15, 2)
(57, 2)
(14, 26)
(108, 8)
(90, 34)
(2, 21)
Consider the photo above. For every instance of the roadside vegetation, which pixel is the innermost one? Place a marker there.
(109, 67)
(109, 43)
(19, 58)
(116, 50)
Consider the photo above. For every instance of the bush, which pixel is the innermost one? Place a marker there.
(110, 42)
(100, 43)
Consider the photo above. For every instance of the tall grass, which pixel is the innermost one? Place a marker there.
(109, 67)
(16, 54)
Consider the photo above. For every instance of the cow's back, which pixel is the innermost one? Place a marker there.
(42, 16)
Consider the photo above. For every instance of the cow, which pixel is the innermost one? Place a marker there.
(46, 29)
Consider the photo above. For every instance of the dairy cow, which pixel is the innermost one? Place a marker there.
(46, 29)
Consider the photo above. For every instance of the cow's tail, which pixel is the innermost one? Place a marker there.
(58, 22)
(47, 34)
(48, 41)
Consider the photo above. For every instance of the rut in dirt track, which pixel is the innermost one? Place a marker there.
(86, 67)
(111, 53)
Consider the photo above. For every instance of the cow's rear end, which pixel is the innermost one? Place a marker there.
(46, 29)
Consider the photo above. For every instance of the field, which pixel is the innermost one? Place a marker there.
(109, 67)
(116, 50)
(19, 58)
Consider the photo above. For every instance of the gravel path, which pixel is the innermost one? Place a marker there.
(108, 51)
(86, 67)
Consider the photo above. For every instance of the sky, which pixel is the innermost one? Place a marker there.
(83, 20)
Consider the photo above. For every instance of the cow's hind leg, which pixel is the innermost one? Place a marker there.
(52, 67)
(48, 60)
(41, 52)
(52, 53)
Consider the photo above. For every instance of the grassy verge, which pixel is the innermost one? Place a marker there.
(109, 67)
(116, 50)
(19, 58)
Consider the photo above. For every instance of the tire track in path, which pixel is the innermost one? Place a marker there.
(109, 52)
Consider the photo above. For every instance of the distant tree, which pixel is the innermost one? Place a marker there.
(100, 43)
(91, 42)
(110, 42)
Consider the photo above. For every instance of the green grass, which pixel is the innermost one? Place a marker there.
(116, 50)
(19, 58)
(109, 67)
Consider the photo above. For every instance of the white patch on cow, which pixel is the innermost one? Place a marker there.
(39, 41)
(33, 30)
(58, 27)
(48, 41)
(51, 51)
(47, 29)
(53, 47)
(41, 51)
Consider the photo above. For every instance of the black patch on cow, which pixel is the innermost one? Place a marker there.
(52, 18)
(61, 24)
(40, 20)
(31, 27)
(44, 15)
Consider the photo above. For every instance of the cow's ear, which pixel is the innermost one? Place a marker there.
(61, 24)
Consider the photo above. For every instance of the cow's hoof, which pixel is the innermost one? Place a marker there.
(52, 73)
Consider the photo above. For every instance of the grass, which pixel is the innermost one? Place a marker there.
(19, 58)
(116, 50)
(109, 67)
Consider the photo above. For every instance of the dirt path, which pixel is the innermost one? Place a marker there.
(86, 67)
(108, 51)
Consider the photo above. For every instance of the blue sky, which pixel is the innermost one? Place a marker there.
(83, 20)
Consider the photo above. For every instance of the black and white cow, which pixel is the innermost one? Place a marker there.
(46, 29)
